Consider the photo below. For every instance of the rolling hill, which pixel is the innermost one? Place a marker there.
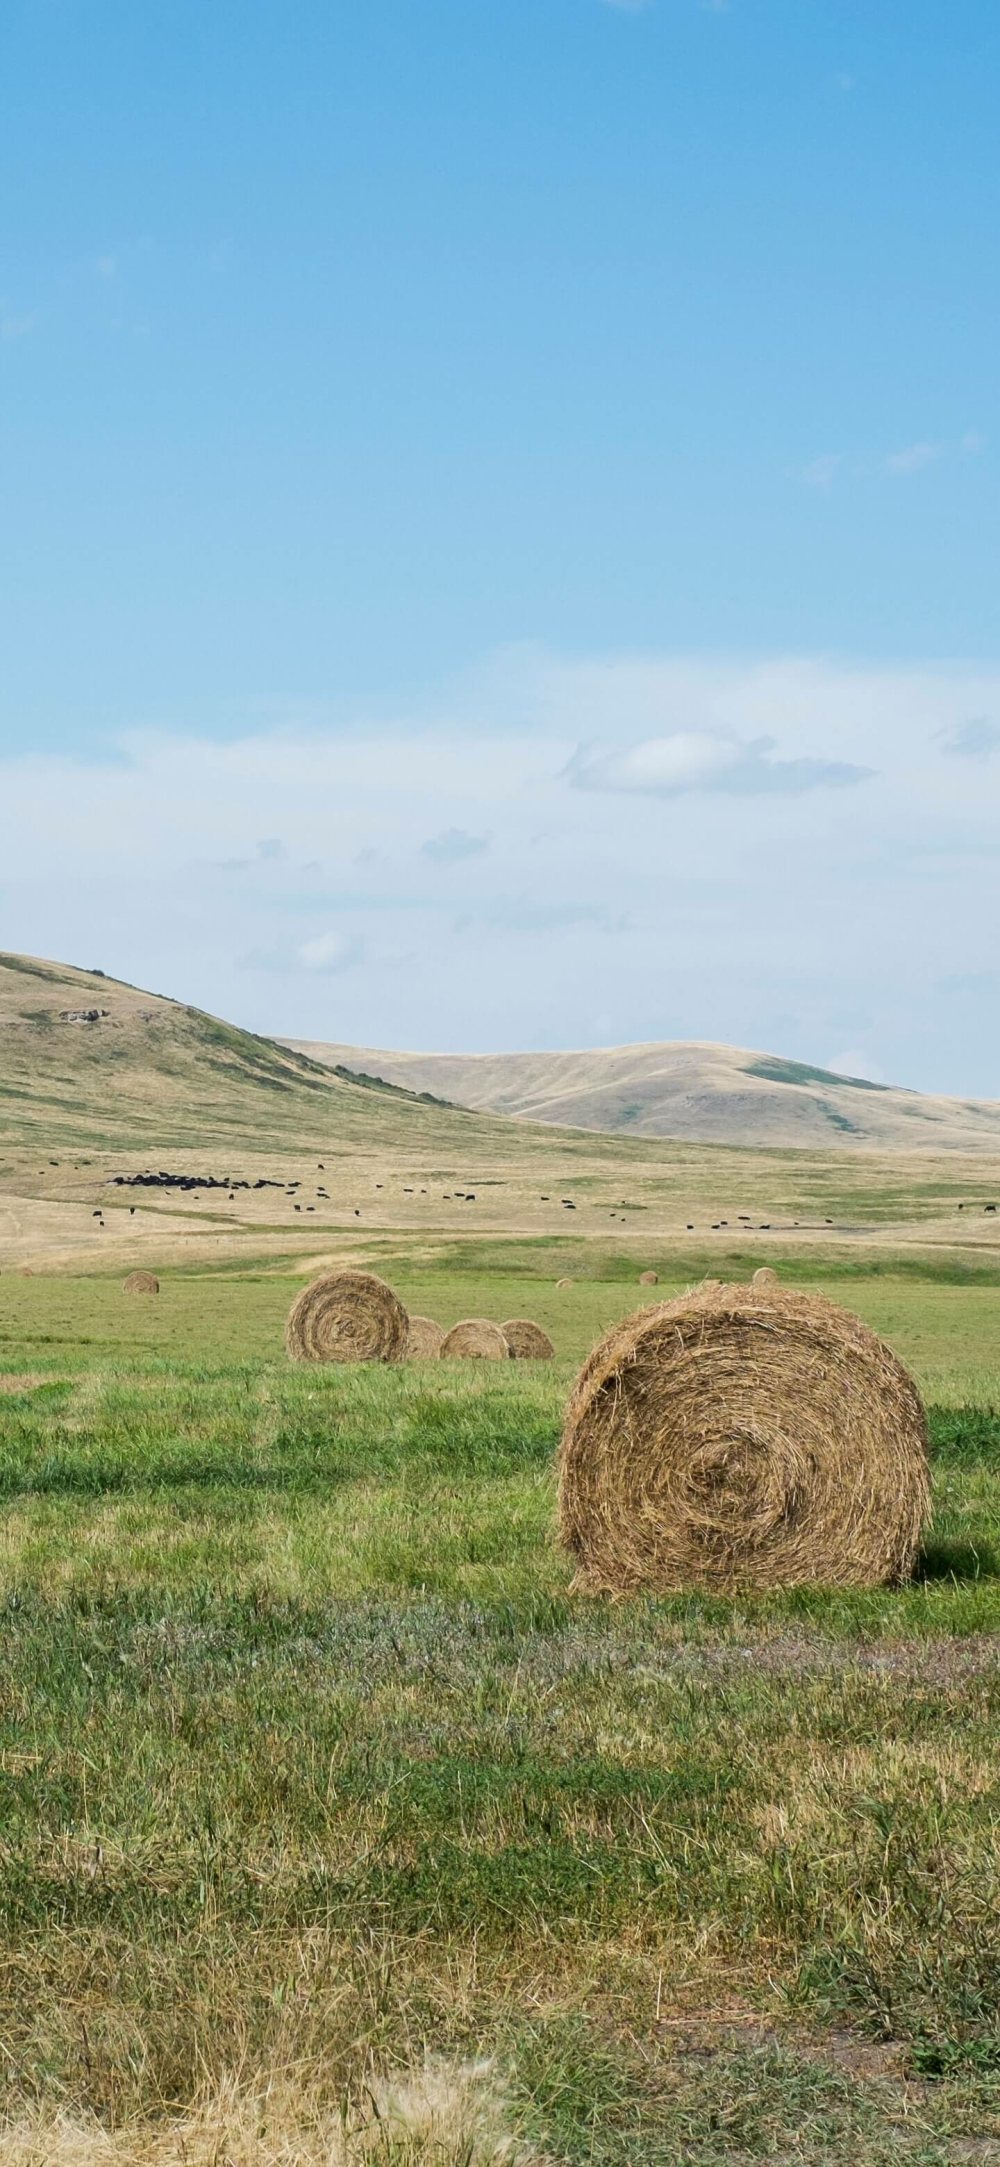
(139, 1129)
(89, 1062)
(694, 1092)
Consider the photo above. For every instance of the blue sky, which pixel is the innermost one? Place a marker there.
(592, 402)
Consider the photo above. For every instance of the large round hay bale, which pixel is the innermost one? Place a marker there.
(564, 1282)
(649, 1279)
(475, 1340)
(742, 1437)
(347, 1317)
(141, 1283)
(424, 1342)
(527, 1341)
(764, 1277)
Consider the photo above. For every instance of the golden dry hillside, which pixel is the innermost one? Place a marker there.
(137, 1130)
(699, 1092)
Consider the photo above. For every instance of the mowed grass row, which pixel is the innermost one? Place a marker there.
(948, 1334)
(308, 1758)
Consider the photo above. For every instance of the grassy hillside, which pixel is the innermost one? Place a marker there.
(88, 1061)
(698, 1093)
(275, 1155)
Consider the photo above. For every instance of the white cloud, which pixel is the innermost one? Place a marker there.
(454, 845)
(819, 473)
(17, 327)
(913, 458)
(828, 467)
(697, 760)
(976, 739)
(702, 882)
(628, 7)
(328, 952)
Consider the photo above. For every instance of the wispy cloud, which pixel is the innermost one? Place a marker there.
(524, 917)
(453, 845)
(831, 466)
(819, 473)
(17, 327)
(667, 767)
(972, 740)
(270, 851)
(913, 458)
(628, 7)
(328, 952)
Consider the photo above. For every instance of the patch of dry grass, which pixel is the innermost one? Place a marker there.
(436, 2116)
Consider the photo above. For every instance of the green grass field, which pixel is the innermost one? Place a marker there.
(309, 1763)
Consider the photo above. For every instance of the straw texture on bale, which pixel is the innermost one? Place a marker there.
(474, 1339)
(649, 1279)
(347, 1317)
(742, 1437)
(141, 1283)
(764, 1277)
(527, 1341)
(424, 1343)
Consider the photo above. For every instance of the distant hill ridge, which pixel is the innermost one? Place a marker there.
(689, 1090)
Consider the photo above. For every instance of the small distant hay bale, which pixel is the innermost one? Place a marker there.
(141, 1283)
(527, 1341)
(26, 1272)
(475, 1339)
(424, 1343)
(764, 1277)
(564, 1282)
(742, 1437)
(649, 1279)
(347, 1317)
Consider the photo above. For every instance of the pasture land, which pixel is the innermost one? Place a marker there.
(311, 1767)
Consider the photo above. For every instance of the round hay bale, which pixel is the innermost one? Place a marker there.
(564, 1282)
(764, 1277)
(649, 1279)
(527, 1341)
(476, 1340)
(141, 1283)
(742, 1437)
(26, 1272)
(424, 1343)
(347, 1317)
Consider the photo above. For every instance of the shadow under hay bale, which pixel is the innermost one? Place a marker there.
(649, 1279)
(475, 1340)
(527, 1341)
(141, 1283)
(764, 1277)
(742, 1437)
(424, 1343)
(347, 1317)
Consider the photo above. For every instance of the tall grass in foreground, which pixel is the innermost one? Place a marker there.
(310, 1770)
